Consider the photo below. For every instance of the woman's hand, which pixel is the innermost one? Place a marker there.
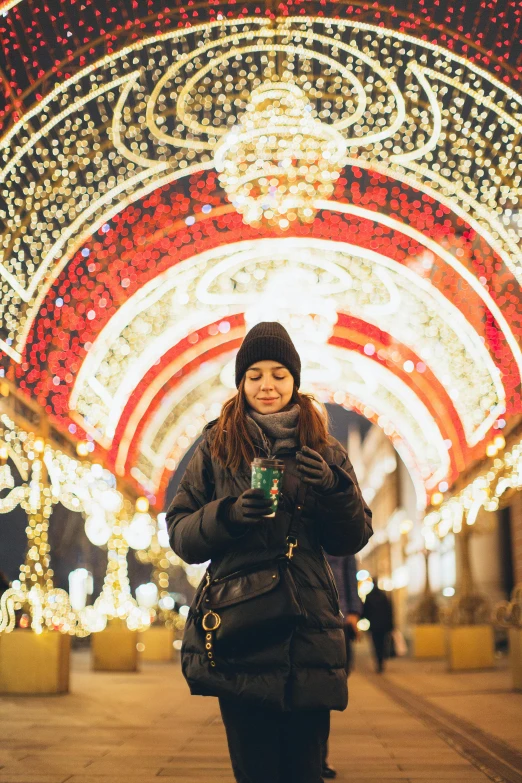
(249, 508)
(315, 470)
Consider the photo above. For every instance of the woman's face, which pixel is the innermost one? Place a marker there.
(268, 386)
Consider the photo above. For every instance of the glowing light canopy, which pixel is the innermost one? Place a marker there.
(226, 282)
(146, 192)
(388, 93)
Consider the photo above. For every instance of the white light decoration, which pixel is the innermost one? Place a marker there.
(138, 533)
(308, 316)
(147, 595)
(97, 528)
(115, 600)
(110, 500)
(49, 607)
(279, 158)
(485, 491)
(80, 586)
(93, 620)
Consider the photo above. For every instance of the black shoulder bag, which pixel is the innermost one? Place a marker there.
(251, 606)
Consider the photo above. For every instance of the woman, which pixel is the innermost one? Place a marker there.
(275, 699)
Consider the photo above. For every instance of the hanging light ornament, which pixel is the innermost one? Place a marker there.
(278, 159)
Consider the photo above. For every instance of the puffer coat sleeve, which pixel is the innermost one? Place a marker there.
(195, 520)
(345, 521)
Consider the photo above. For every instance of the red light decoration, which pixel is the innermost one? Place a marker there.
(40, 44)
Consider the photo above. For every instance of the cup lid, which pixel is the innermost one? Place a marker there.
(268, 462)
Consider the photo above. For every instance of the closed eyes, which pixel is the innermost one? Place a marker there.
(276, 378)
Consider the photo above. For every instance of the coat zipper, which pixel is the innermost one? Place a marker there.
(298, 594)
(268, 451)
(331, 579)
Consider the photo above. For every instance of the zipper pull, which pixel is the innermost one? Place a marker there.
(292, 543)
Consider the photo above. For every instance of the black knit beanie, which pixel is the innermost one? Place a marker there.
(268, 340)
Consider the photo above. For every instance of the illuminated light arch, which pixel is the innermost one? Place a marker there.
(172, 248)
(444, 89)
(166, 304)
(166, 245)
(492, 105)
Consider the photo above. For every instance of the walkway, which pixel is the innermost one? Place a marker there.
(411, 726)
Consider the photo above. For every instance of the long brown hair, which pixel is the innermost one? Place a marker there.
(232, 443)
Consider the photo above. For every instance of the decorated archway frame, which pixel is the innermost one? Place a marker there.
(406, 107)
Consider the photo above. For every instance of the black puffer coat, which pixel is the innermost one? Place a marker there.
(305, 670)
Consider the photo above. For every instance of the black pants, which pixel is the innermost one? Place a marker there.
(275, 747)
(380, 647)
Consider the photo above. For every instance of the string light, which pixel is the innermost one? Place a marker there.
(161, 557)
(348, 71)
(49, 607)
(49, 476)
(485, 491)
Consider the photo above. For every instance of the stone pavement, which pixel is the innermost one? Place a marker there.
(485, 698)
(139, 728)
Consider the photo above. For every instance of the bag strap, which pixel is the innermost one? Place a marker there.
(293, 530)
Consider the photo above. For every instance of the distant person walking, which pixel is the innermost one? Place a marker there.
(264, 633)
(378, 611)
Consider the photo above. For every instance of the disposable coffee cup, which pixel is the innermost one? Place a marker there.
(267, 474)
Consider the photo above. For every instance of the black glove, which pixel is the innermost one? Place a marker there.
(249, 508)
(315, 471)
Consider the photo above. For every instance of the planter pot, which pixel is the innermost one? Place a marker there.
(429, 641)
(34, 663)
(114, 649)
(155, 644)
(515, 655)
(470, 647)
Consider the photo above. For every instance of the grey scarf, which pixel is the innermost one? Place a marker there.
(278, 430)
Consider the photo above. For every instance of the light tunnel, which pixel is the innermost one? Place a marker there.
(129, 278)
